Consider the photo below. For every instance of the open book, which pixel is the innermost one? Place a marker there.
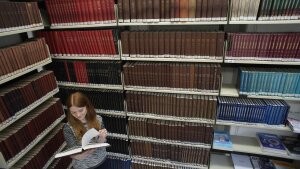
(85, 142)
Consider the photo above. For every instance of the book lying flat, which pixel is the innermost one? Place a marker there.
(271, 143)
(85, 142)
(261, 163)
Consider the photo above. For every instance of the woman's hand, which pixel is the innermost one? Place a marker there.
(102, 135)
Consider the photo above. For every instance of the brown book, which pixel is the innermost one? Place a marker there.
(220, 45)
(172, 44)
(224, 10)
(183, 44)
(141, 41)
(184, 10)
(125, 43)
(167, 43)
(178, 39)
(209, 13)
(193, 44)
(162, 10)
(192, 10)
(156, 10)
(126, 10)
(188, 44)
(150, 10)
(147, 44)
(167, 10)
(155, 43)
(139, 10)
(133, 10)
(217, 9)
(161, 43)
(144, 10)
(120, 11)
(198, 10)
(151, 44)
(132, 49)
(212, 45)
(204, 9)
(177, 10)
(172, 10)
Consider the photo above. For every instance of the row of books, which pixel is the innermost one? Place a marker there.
(118, 145)
(170, 130)
(244, 10)
(19, 95)
(117, 163)
(272, 82)
(24, 131)
(194, 155)
(256, 162)
(92, 72)
(272, 112)
(66, 12)
(172, 10)
(19, 15)
(190, 76)
(101, 99)
(42, 152)
(20, 56)
(115, 124)
(263, 46)
(84, 43)
(171, 44)
(179, 105)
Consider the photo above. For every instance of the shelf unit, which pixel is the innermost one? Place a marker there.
(85, 57)
(90, 85)
(117, 135)
(250, 145)
(21, 30)
(254, 125)
(168, 162)
(16, 158)
(265, 22)
(261, 62)
(170, 118)
(18, 73)
(158, 59)
(118, 155)
(78, 25)
(168, 90)
(172, 142)
(23, 112)
(171, 23)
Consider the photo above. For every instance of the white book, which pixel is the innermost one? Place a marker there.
(241, 161)
(85, 142)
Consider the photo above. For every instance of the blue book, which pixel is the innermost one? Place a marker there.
(270, 143)
(222, 140)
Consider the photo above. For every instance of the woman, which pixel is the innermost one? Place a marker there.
(81, 117)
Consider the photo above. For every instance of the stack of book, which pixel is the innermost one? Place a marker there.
(271, 143)
(292, 145)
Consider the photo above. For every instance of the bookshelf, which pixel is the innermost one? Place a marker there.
(29, 91)
(241, 144)
(52, 158)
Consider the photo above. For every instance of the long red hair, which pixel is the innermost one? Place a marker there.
(78, 99)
